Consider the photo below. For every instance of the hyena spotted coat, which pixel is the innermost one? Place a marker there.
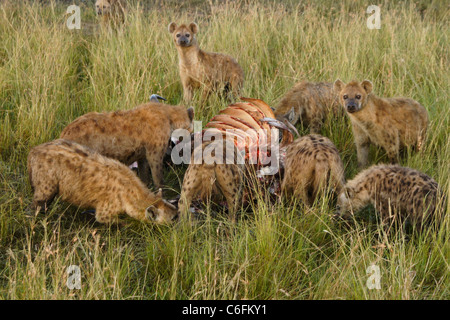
(312, 165)
(214, 177)
(391, 123)
(310, 103)
(395, 192)
(208, 71)
(87, 179)
(141, 134)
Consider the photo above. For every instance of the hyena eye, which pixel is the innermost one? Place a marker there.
(358, 96)
(187, 35)
(178, 35)
(345, 96)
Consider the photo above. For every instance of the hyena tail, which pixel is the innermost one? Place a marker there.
(208, 178)
(328, 175)
(337, 175)
(421, 140)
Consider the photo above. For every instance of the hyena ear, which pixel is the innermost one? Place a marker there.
(159, 194)
(338, 86)
(172, 27)
(290, 116)
(367, 85)
(194, 27)
(349, 192)
(151, 213)
(190, 112)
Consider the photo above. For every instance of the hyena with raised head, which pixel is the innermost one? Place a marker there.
(391, 123)
(208, 71)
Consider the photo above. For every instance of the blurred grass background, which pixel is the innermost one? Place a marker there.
(50, 75)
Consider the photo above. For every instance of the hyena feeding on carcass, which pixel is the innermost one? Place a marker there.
(219, 173)
(312, 165)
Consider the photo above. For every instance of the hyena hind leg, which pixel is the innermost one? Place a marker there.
(144, 171)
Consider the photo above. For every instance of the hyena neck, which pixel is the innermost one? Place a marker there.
(188, 55)
(176, 117)
(367, 112)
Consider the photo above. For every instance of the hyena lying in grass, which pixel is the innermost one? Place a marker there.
(214, 176)
(396, 193)
(312, 165)
(87, 179)
(141, 134)
(391, 123)
(308, 103)
(208, 71)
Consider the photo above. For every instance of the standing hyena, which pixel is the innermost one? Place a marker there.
(391, 123)
(111, 10)
(141, 134)
(395, 192)
(214, 176)
(206, 70)
(310, 103)
(87, 179)
(311, 163)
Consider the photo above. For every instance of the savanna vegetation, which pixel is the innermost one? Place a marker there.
(49, 75)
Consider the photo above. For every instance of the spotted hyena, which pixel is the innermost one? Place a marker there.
(204, 70)
(391, 123)
(312, 165)
(87, 179)
(111, 10)
(308, 103)
(141, 134)
(395, 192)
(213, 176)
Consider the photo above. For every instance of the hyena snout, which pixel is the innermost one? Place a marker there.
(352, 106)
(183, 41)
(164, 214)
(102, 9)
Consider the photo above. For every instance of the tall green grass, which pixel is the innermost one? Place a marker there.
(50, 75)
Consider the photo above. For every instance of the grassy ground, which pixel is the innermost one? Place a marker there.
(50, 75)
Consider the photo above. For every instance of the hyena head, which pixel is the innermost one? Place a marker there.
(344, 207)
(161, 211)
(353, 95)
(291, 116)
(184, 36)
(102, 7)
